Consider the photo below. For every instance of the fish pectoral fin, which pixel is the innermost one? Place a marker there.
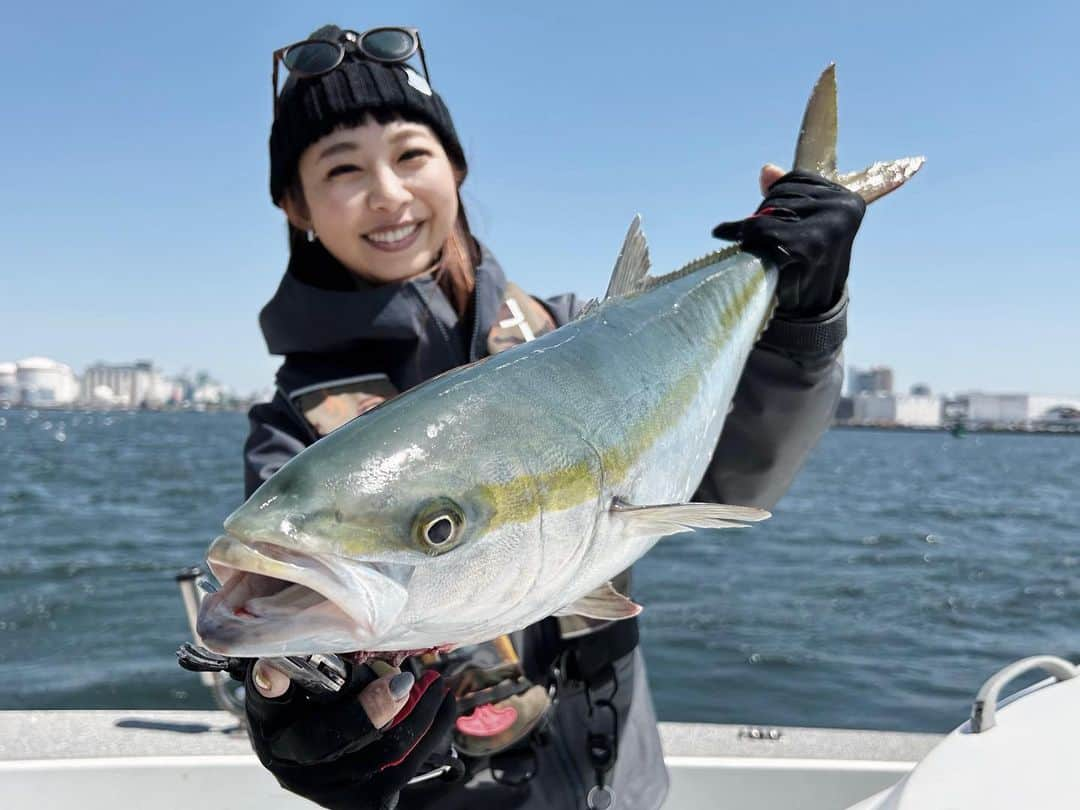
(602, 603)
(673, 518)
(632, 266)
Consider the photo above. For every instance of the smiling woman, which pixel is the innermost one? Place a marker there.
(365, 160)
(386, 288)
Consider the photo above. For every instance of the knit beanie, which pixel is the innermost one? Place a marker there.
(311, 108)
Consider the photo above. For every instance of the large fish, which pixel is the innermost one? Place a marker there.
(515, 488)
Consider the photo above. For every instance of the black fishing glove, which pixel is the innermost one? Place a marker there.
(325, 748)
(806, 225)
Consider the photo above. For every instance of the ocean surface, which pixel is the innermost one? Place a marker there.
(899, 572)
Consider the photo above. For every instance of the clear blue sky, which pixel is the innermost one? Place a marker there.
(136, 220)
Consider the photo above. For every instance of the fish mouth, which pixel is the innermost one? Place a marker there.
(276, 600)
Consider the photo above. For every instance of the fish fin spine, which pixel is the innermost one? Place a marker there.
(693, 266)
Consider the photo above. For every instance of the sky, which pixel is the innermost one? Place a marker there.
(135, 219)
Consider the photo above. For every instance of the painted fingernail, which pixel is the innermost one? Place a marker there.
(401, 685)
(258, 674)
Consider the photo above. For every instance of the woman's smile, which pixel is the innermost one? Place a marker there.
(394, 238)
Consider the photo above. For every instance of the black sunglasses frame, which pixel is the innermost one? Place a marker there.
(356, 39)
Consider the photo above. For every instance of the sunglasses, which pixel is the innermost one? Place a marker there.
(314, 57)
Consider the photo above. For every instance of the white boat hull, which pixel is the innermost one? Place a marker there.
(101, 760)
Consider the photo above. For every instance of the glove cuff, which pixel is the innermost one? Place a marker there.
(808, 338)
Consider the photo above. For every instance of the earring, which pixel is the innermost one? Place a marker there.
(311, 237)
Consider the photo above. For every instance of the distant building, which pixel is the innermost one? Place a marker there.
(42, 382)
(1048, 409)
(124, 386)
(902, 410)
(920, 390)
(9, 389)
(1015, 410)
(877, 380)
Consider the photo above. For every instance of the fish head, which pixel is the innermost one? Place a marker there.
(399, 533)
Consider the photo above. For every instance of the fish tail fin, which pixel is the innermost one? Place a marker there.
(816, 148)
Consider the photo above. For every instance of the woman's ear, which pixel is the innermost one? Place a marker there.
(295, 208)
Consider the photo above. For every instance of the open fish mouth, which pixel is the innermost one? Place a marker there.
(279, 601)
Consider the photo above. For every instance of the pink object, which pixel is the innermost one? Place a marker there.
(487, 721)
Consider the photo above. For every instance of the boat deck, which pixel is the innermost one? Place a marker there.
(164, 759)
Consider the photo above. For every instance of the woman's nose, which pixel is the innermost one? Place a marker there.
(388, 191)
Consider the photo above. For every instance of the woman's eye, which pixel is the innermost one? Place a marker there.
(342, 169)
(412, 154)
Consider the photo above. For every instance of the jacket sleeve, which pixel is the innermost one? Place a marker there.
(275, 436)
(563, 308)
(785, 400)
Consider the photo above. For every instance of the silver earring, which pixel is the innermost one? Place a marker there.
(311, 237)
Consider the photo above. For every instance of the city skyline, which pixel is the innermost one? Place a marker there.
(899, 383)
(145, 228)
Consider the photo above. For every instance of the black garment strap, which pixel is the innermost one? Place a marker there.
(590, 658)
(813, 338)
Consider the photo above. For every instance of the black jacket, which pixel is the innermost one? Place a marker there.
(410, 332)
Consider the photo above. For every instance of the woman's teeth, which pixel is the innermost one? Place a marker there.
(395, 235)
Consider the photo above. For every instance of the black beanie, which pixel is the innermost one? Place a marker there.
(311, 108)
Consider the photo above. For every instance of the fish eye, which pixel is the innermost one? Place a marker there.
(439, 526)
(440, 530)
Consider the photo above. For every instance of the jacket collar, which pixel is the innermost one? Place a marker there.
(304, 318)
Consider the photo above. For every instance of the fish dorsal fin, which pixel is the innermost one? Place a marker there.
(816, 149)
(632, 266)
(602, 603)
(673, 518)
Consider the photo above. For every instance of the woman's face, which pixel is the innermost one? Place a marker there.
(382, 198)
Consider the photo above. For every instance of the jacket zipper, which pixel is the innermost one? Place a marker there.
(476, 321)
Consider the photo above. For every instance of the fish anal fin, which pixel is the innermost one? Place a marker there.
(604, 603)
(632, 266)
(684, 517)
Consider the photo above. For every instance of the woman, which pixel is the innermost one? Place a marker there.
(385, 288)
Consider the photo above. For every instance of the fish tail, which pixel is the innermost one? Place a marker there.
(816, 148)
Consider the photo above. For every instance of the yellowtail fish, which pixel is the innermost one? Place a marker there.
(515, 488)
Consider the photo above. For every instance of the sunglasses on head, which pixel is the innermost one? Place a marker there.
(314, 57)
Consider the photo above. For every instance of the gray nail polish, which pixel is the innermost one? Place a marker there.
(401, 684)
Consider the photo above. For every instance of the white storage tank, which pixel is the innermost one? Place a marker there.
(42, 382)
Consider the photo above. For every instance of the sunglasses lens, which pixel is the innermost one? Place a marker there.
(390, 44)
(311, 58)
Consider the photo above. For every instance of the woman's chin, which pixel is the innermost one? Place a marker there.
(387, 268)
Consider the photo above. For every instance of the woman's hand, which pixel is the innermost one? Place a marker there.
(356, 748)
(807, 225)
(381, 699)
